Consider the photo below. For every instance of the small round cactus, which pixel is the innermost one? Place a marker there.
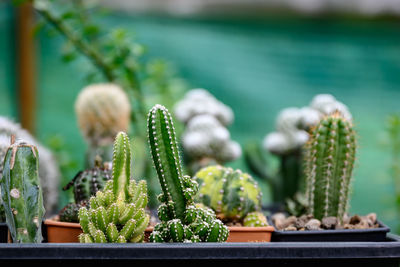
(232, 194)
(102, 110)
(255, 219)
(70, 212)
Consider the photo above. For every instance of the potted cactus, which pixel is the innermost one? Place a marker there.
(65, 226)
(21, 193)
(329, 162)
(90, 188)
(181, 220)
(236, 199)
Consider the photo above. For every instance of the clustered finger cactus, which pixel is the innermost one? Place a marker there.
(21, 194)
(329, 166)
(117, 213)
(232, 194)
(181, 220)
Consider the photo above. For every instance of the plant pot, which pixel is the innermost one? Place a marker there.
(250, 234)
(3, 232)
(65, 232)
(342, 235)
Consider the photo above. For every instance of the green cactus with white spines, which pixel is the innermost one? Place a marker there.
(329, 165)
(21, 193)
(181, 220)
(117, 213)
(232, 194)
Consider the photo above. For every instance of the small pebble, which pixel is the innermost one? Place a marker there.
(313, 224)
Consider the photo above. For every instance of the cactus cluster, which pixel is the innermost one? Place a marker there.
(117, 213)
(181, 220)
(206, 139)
(292, 133)
(232, 194)
(329, 165)
(21, 194)
(49, 172)
(102, 111)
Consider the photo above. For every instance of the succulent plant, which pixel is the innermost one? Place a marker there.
(102, 111)
(86, 183)
(232, 194)
(70, 212)
(329, 165)
(117, 213)
(206, 140)
(21, 194)
(255, 219)
(49, 172)
(287, 142)
(181, 220)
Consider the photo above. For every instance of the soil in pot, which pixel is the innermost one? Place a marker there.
(306, 228)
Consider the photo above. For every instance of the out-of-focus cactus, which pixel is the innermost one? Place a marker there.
(232, 194)
(117, 213)
(292, 133)
(255, 219)
(181, 220)
(21, 193)
(206, 140)
(71, 211)
(102, 111)
(329, 166)
(49, 172)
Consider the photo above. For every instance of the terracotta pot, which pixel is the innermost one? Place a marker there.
(250, 234)
(64, 232)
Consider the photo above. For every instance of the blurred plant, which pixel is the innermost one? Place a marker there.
(393, 134)
(116, 57)
(292, 132)
(49, 172)
(205, 140)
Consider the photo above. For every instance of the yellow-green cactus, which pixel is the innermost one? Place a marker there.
(117, 213)
(232, 194)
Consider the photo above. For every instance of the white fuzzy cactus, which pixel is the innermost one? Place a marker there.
(49, 171)
(199, 102)
(293, 123)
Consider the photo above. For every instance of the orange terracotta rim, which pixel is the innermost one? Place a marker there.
(251, 229)
(53, 222)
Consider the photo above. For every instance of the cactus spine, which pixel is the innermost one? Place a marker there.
(232, 194)
(21, 193)
(329, 166)
(116, 213)
(181, 221)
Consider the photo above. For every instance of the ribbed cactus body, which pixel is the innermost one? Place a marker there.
(181, 221)
(255, 219)
(232, 194)
(329, 166)
(21, 193)
(117, 213)
(86, 183)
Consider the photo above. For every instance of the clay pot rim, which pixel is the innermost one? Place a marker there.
(251, 229)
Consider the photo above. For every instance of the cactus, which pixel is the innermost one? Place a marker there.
(117, 213)
(49, 172)
(21, 193)
(232, 194)
(86, 183)
(102, 111)
(181, 220)
(255, 219)
(329, 165)
(70, 212)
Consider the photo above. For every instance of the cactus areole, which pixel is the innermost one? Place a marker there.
(329, 166)
(21, 193)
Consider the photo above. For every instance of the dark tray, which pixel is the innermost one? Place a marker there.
(3, 232)
(272, 254)
(345, 235)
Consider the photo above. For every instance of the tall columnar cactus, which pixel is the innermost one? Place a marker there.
(21, 193)
(232, 194)
(181, 220)
(329, 166)
(117, 213)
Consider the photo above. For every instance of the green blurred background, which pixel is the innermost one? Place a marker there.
(255, 65)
